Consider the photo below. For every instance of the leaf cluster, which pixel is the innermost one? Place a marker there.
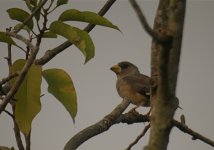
(60, 84)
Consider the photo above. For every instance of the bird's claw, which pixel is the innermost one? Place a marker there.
(133, 110)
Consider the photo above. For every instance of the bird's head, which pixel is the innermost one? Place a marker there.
(124, 68)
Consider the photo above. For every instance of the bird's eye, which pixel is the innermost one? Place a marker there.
(123, 65)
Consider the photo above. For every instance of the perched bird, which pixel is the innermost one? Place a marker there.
(131, 84)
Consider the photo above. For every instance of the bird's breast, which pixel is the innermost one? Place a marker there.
(126, 91)
(123, 88)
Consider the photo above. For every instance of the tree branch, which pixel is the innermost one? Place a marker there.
(9, 113)
(17, 131)
(20, 78)
(21, 38)
(5, 80)
(131, 118)
(49, 54)
(97, 128)
(27, 141)
(155, 36)
(139, 137)
(169, 23)
(194, 134)
(128, 118)
(142, 19)
(41, 4)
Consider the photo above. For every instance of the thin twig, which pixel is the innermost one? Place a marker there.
(131, 118)
(21, 38)
(10, 114)
(49, 54)
(142, 19)
(48, 8)
(17, 131)
(5, 80)
(139, 137)
(194, 134)
(27, 140)
(22, 49)
(31, 16)
(9, 55)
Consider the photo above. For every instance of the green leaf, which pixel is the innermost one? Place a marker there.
(28, 95)
(86, 16)
(61, 2)
(33, 2)
(29, 5)
(61, 86)
(5, 148)
(32, 5)
(20, 15)
(37, 15)
(6, 39)
(79, 38)
(24, 28)
(49, 35)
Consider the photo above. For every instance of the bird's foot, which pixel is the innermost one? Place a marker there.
(133, 110)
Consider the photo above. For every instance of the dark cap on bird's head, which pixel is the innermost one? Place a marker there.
(124, 67)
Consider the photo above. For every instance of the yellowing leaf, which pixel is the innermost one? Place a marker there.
(61, 86)
(28, 95)
(20, 15)
(79, 38)
(6, 39)
(86, 16)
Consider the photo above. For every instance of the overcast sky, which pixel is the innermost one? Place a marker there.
(95, 83)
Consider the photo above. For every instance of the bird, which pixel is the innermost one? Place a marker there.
(131, 84)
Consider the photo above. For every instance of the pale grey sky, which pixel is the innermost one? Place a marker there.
(95, 83)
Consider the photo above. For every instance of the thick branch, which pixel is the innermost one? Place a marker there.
(129, 118)
(132, 117)
(164, 66)
(97, 128)
(49, 54)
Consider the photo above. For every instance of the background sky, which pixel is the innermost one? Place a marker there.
(95, 83)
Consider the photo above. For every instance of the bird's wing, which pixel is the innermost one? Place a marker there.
(139, 83)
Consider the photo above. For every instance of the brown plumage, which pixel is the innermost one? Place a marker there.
(131, 84)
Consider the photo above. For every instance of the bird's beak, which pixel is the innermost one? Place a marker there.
(116, 69)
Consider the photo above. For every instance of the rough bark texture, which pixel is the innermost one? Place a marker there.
(97, 128)
(164, 70)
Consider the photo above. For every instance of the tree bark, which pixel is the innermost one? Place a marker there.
(165, 55)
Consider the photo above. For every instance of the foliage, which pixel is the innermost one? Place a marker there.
(61, 86)
(28, 96)
(27, 91)
(79, 38)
